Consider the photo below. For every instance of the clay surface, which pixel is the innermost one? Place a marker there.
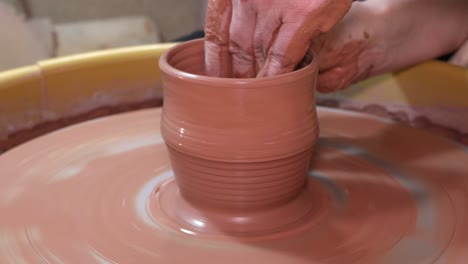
(229, 148)
(94, 193)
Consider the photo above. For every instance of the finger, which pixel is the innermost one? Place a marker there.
(330, 81)
(287, 50)
(319, 43)
(294, 38)
(268, 25)
(337, 79)
(334, 13)
(352, 70)
(218, 20)
(241, 39)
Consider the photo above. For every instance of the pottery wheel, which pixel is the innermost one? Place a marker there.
(89, 194)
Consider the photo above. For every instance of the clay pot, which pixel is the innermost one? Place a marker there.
(236, 143)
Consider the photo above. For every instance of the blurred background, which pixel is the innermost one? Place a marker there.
(32, 30)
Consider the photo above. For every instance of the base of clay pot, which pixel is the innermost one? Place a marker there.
(173, 210)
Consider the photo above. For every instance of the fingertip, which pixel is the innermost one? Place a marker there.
(276, 65)
(331, 81)
(323, 87)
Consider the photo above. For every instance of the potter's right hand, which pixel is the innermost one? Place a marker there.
(248, 38)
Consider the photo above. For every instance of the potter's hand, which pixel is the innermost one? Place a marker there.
(248, 38)
(388, 35)
(351, 50)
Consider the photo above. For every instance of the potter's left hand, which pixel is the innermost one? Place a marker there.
(264, 37)
(353, 50)
(365, 43)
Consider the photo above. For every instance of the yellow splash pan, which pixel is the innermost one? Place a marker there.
(55, 93)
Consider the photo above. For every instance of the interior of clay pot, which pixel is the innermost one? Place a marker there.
(190, 58)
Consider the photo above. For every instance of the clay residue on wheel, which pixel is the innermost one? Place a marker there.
(22, 136)
(402, 117)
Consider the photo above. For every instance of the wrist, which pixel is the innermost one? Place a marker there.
(409, 37)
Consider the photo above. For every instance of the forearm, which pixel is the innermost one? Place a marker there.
(418, 30)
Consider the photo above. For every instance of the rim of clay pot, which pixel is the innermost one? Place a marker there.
(167, 68)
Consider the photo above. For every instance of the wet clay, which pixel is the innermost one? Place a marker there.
(95, 193)
(224, 139)
(233, 155)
